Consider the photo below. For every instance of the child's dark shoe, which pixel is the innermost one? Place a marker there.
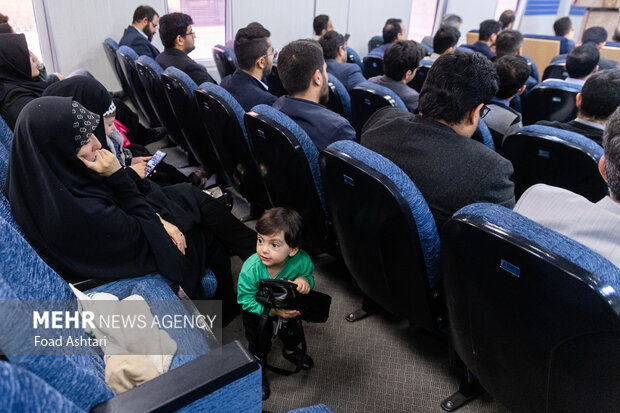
(294, 358)
(266, 388)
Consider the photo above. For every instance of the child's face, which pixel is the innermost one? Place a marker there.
(108, 124)
(272, 249)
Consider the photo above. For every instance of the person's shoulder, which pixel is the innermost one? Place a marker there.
(251, 265)
(301, 259)
(544, 194)
(351, 67)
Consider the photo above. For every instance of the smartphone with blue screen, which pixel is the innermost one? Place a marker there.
(154, 161)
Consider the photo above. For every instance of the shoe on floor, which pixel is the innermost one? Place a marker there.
(294, 358)
(265, 385)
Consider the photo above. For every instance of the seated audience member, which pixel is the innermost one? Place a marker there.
(139, 35)
(393, 31)
(581, 62)
(598, 99)
(488, 32)
(563, 27)
(399, 65)
(321, 25)
(512, 72)
(335, 54)
(449, 20)
(597, 36)
(302, 70)
(255, 54)
(434, 148)
(616, 37)
(510, 43)
(594, 225)
(177, 35)
(507, 19)
(444, 41)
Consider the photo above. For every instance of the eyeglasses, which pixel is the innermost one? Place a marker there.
(274, 53)
(484, 111)
(154, 25)
(192, 33)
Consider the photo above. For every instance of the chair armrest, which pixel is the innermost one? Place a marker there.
(185, 384)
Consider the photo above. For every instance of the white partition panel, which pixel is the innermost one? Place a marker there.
(337, 10)
(472, 12)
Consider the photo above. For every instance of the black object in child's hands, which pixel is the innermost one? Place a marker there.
(314, 306)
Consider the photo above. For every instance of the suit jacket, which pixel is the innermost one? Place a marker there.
(603, 63)
(502, 120)
(408, 95)
(349, 74)
(588, 131)
(594, 225)
(180, 60)
(481, 47)
(248, 91)
(450, 170)
(380, 51)
(139, 43)
(321, 124)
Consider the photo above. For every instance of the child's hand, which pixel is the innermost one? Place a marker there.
(302, 285)
(280, 312)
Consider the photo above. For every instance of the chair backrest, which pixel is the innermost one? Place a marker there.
(6, 135)
(541, 51)
(553, 100)
(222, 116)
(372, 66)
(374, 42)
(179, 88)
(373, 204)
(485, 133)
(4, 165)
(225, 60)
(612, 53)
(464, 49)
(339, 99)
(428, 49)
(420, 75)
(149, 73)
(127, 58)
(288, 161)
(542, 154)
(353, 57)
(110, 47)
(367, 98)
(555, 70)
(274, 82)
(533, 314)
(472, 36)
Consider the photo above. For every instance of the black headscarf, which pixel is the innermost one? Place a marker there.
(85, 226)
(17, 87)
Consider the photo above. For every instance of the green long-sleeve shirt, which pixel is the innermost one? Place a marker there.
(253, 270)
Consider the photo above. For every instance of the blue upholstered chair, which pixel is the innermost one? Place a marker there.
(420, 75)
(149, 73)
(374, 42)
(222, 116)
(353, 57)
(428, 49)
(288, 162)
(127, 59)
(386, 233)
(4, 165)
(483, 135)
(542, 154)
(551, 100)
(6, 135)
(534, 315)
(464, 49)
(179, 89)
(225, 60)
(555, 70)
(110, 47)
(372, 66)
(367, 98)
(339, 99)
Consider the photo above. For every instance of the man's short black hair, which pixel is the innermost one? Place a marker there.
(144, 11)
(403, 55)
(508, 43)
(507, 17)
(562, 26)
(279, 219)
(320, 23)
(250, 44)
(331, 42)
(451, 20)
(6, 28)
(582, 61)
(596, 35)
(487, 28)
(445, 38)
(616, 37)
(297, 63)
(512, 72)
(391, 30)
(600, 95)
(611, 148)
(456, 84)
(173, 25)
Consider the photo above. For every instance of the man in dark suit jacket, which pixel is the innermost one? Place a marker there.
(487, 34)
(597, 36)
(177, 36)
(138, 36)
(335, 53)
(597, 101)
(302, 70)
(255, 54)
(434, 148)
(393, 30)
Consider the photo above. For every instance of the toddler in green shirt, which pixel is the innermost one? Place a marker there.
(278, 256)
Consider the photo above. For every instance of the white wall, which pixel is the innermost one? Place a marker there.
(472, 12)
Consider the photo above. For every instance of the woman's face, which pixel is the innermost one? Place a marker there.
(108, 124)
(88, 151)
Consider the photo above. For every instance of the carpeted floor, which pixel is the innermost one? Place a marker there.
(378, 364)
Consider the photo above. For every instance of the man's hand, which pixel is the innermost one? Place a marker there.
(105, 163)
(60, 77)
(285, 313)
(175, 235)
(302, 285)
(138, 164)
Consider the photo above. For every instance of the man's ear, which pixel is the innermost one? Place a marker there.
(260, 62)
(578, 100)
(521, 90)
(178, 41)
(472, 115)
(293, 251)
(601, 167)
(317, 78)
(144, 22)
(596, 69)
